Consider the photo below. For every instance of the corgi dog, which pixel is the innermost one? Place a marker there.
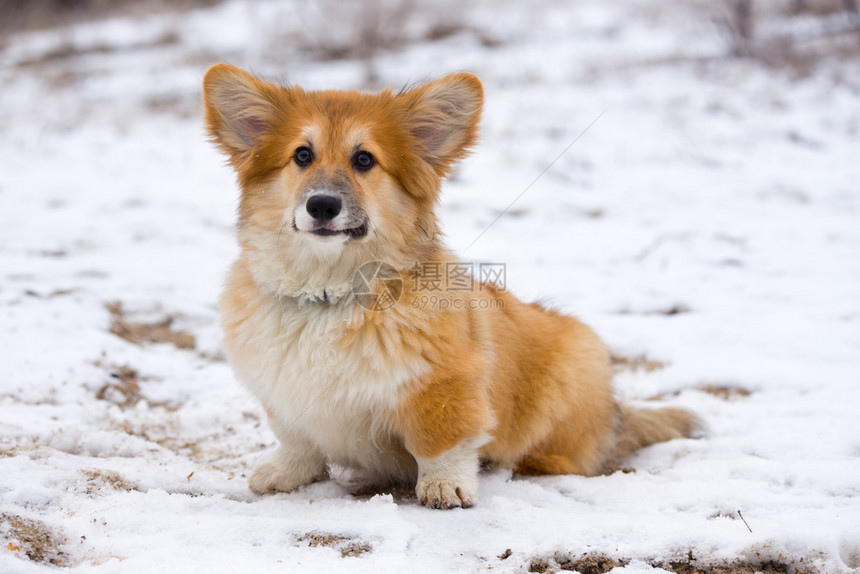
(409, 392)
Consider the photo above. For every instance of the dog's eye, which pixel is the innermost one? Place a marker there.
(303, 156)
(363, 160)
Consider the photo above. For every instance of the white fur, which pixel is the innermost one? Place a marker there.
(310, 268)
(325, 394)
(295, 463)
(306, 269)
(450, 479)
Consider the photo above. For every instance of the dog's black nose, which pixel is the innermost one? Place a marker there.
(323, 207)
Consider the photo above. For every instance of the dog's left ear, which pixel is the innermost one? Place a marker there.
(443, 116)
(239, 109)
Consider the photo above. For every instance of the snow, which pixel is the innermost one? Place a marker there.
(712, 186)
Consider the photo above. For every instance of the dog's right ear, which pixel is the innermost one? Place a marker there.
(238, 108)
(443, 117)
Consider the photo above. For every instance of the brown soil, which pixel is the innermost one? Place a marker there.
(635, 364)
(720, 391)
(35, 540)
(140, 333)
(727, 393)
(591, 565)
(100, 480)
(401, 493)
(123, 389)
(601, 564)
(349, 547)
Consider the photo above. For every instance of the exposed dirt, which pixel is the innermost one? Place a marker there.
(349, 547)
(34, 539)
(50, 294)
(155, 332)
(126, 389)
(99, 480)
(639, 363)
(724, 392)
(585, 564)
(541, 566)
(676, 309)
(123, 389)
(601, 564)
(727, 393)
(685, 567)
(401, 493)
(590, 565)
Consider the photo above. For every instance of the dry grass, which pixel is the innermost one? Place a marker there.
(34, 540)
(348, 547)
(596, 564)
(123, 388)
(362, 31)
(726, 392)
(601, 564)
(723, 392)
(792, 35)
(99, 481)
(638, 363)
(16, 15)
(139, 333)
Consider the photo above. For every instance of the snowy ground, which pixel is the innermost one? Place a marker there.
(707, 225)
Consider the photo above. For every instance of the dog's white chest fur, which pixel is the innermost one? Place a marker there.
(319, 377)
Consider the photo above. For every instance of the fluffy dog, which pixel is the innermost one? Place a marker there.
(331, 181)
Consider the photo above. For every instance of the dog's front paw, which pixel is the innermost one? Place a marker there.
(268, 478)
(445, 494)
(450, 480)
(284, 473)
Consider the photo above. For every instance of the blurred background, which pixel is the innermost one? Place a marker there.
(282, 36)
(775, 31)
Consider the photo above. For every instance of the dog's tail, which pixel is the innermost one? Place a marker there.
(640, 428)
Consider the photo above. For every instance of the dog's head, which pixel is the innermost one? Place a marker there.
(331, 180)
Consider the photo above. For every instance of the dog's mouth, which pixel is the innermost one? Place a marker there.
(351, 233)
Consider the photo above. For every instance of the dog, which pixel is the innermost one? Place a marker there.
(409, 392)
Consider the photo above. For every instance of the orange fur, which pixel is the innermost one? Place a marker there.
(413, 392)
